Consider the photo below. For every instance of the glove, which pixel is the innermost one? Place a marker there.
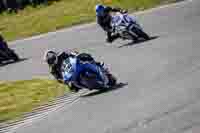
(74, 53)
(101, 64)
(123, 11)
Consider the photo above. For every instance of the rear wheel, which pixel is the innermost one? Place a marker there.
(13, 55)
(112, 80)
(88, 80)
(141, 33)
(130, 36)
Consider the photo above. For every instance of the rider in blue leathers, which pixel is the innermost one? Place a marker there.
(65, 66)
(73, 67)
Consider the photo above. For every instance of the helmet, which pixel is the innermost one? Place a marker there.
(99, 9)
(51, 57)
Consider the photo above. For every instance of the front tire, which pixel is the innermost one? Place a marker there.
(73, 88)
(130, 36)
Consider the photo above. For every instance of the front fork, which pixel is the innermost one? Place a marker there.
(103, 73)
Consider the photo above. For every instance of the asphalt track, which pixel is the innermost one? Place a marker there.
(162, 94)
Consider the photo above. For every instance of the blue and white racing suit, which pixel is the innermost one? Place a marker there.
(72, 68)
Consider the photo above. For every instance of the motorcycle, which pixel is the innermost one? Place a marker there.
(127, 27)
(91, 75)
(7, 55)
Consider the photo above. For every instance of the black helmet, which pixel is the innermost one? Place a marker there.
(51, 57)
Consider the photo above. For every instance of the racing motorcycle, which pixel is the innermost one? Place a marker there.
(127, 27)
(91, 76)
(8, 54)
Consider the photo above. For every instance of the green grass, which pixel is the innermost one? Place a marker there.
(19, 97)
(64, 13)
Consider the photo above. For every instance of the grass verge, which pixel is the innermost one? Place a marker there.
(19, 97)
(64, 13)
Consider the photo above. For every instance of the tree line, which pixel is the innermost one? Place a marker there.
(15, 5)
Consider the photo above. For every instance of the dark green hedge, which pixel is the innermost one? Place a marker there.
(14, 5)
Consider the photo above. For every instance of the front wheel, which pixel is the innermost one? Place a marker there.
(15, 57)
(73, 87)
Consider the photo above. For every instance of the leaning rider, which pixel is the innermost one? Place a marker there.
(55, 62)
(3, 48)
(104, 20)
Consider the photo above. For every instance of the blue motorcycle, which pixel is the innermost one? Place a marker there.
(87, 74)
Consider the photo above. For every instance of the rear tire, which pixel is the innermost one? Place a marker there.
(13, 55)
(112, 80)
(132, 37)
(144, 35)
(141, 33)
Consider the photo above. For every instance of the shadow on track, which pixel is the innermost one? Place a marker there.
(138, 42)
(12, 62)
(98, 92)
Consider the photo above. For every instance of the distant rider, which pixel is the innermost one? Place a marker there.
(5, 51)
(3, 44)
(104, 20)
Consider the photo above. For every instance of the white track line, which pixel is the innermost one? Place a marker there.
(34, 118)
(72, 99)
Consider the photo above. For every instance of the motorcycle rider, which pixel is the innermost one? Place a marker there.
(55, 62)
(3, 46)
(3, 43)
(5, 51)
(104, 20)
